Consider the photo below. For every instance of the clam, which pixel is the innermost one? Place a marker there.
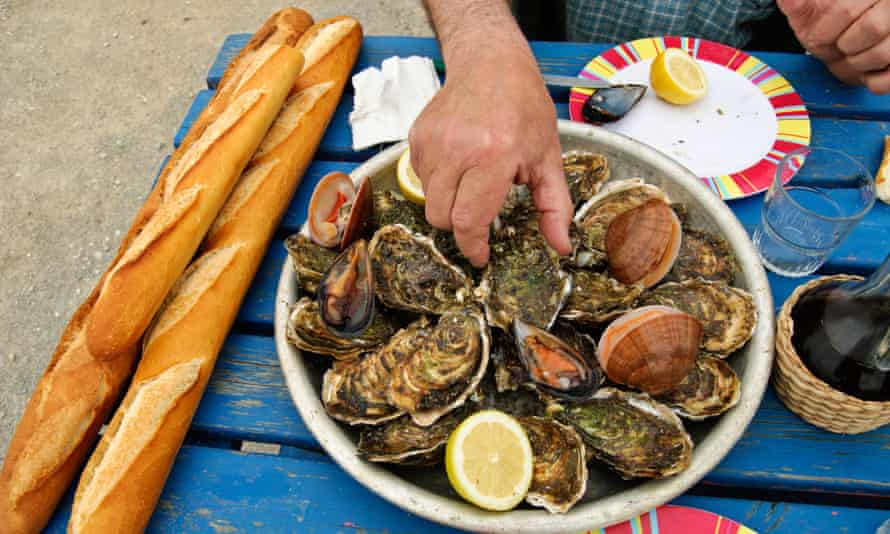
(597, 298)
(611, 103)
(704, 255)
(346, 292)
(339, 213)
(651, 348)
(410, 273)
(554, 366)
(630, 432)
(710, 388)
(559, 477)
(585, 173)
(727, 313)
(642, 243)
(402, 441)
(443, 365)
(307, 331)
(310, 260)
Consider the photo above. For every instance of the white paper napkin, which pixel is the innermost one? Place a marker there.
(387, 100)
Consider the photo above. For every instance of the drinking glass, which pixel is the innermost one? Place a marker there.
(807, 217)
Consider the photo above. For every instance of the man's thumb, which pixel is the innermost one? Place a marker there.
(795, 10)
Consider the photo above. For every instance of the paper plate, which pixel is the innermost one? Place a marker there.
(670, 519)
(733, 138)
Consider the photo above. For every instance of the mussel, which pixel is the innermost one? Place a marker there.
(652, 348)
(554, 366)
(346, 292)
(339, 212)
(643, 242)
(611, 103)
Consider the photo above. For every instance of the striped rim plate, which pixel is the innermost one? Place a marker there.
(671, 519)
(793, 122)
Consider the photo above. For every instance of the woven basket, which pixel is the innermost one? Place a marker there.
(808, 396)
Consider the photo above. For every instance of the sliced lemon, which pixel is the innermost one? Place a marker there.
(409, 183)
(677, 77)
(489, 460)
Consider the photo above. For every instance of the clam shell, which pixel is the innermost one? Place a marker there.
(325, 198)
(651, 348)
(711, 388)
(642, 243)
(559, 478)
(360, 216)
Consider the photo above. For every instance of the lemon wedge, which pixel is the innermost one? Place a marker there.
(489, 460)
(677, 77)
(409, 183)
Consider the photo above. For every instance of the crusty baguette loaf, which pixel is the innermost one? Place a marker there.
(78, 389)
(125, 476)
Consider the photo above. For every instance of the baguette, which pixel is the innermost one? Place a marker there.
(124, 478)
(77, 392)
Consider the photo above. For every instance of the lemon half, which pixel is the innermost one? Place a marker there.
(677, 77)
(409, 183)
(489, 460)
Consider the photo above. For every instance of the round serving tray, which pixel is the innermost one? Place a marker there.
(609, 499)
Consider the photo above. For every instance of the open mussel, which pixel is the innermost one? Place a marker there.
(652, 348)
(346, 292)
(339, 212)
(611, 103)
(554, 366)
(642, 243)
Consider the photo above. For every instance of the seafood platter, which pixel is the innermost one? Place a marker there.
(633, 364)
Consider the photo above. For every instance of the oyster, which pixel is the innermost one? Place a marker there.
(553, 365)
(585, 173)
(642, 243)
(411, 274)
(310, 260)
(444, 365)
(307, 331)
(402, 441)
(346, 292)
(632, 433)
(523, 280)
(727, 314)
(559, 478)
(509, 373)
(354, 391)
(651, 348)
(339, 212)
(597, 298)
(711, 388)
(704, 255)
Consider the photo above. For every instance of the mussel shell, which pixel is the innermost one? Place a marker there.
(346, 292)
(611, 103)
(361, 215)
(554, 366)
(559, 478)
(642, 243)
(321, 204)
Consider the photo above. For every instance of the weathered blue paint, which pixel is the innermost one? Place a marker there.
(197, 106)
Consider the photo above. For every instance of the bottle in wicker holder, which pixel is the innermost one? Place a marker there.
(807, 395)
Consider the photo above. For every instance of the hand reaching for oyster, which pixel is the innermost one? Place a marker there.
(605, 355)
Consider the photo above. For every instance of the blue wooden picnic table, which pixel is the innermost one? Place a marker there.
(783, 476)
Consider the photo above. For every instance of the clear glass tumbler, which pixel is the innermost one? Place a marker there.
(807, 217)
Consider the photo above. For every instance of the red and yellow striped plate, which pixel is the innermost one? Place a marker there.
(670, 519)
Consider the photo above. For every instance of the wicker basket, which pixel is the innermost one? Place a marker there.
(808, 396)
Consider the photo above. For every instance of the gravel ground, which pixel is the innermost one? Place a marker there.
(90, 97)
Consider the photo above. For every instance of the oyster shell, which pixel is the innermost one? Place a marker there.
(310, 261)
(711, 388)
(727, 313)
(523, 280)
(704, 255)
(444, 366)
(632, 433)
(597, 298)
(307, 331)
(411, 274)
(355, 391)
(346, 292)
(509, 373)
(402, 441)
(642, 243)
(585, 173)
(559, 478)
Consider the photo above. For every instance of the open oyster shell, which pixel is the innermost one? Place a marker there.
(310, 261)
(632, 433)
(559, 478)
(704, 255)
(523, 280)
(402, 441)
(711, 388)
(597, 298)
(727, 313)
(585, 173)
(307, 331)
(410, 272)
(444, 365)
(509, 374)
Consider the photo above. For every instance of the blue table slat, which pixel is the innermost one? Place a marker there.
(215, 490)
(197, 106)
(160, 170)
(821, 92)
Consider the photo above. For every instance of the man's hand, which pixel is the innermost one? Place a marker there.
(491, 125)
(852, 37)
